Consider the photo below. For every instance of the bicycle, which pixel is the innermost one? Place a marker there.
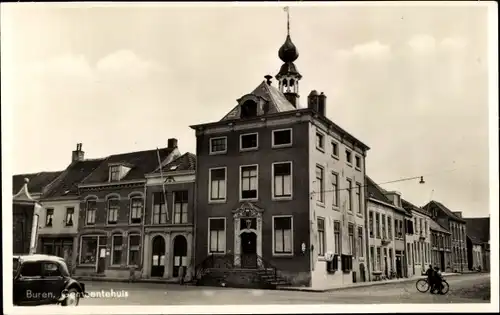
(423, 286)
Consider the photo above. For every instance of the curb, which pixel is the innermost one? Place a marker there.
(368, 284)
(104, 279)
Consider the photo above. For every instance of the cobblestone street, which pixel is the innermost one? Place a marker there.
(470, 288)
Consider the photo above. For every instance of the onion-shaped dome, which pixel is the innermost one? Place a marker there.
(288, 52)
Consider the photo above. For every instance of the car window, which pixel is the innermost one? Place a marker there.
(51, 269)
(31, 269)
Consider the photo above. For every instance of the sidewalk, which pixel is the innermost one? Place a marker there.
(107, 279)
(359, 284)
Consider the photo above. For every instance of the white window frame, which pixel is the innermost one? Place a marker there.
(252, 148)
(322, 192)
(274, 197)
(241, 183)
(131, 199)
(51, 215)
(159, 213)
(183, 203)
(94, 210)
(286, 145)
(118, 168)
(359, 198)
(210, 200)
(108, 199)
(349, 195)
(291, 235)
(324, 236)
(322, 149)
(128, 247)
(225, 236)
(336, 192)
(73, 223)
(357, 156)
(211, 152)
(335, 142)
(97, 236)
(113, 249)
(351, 154)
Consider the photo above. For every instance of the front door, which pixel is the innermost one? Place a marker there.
(180, 254)
(101, 259)
(158, 263)
(399, 267)
(441, 254)
(248, 250)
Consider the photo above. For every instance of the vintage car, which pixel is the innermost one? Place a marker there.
(44, 279)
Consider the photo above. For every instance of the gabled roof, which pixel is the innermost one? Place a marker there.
(37, 181)
(437, 227)
(478, 229)
(447, 211)
(141, 163)
(276, 100)
(185, 162)
(67, 183)
(408, 206)
(375, 192)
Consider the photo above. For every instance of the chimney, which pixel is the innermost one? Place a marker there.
(458, 213)
(321, 104)
(394, 197)
(268, 79)
(312, 100)
(172, 143)
(78, 154)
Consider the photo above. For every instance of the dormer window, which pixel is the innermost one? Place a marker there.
(249, 109)
(114, 173)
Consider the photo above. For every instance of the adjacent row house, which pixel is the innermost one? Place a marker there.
(478, 243)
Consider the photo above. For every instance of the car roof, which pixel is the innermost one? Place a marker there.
(36, 257)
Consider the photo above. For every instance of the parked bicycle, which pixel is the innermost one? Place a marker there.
(423, 286)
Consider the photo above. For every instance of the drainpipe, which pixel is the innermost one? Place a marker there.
(195, 209)
(143, 237)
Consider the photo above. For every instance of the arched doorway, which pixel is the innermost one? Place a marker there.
(180, 254)
(158, 259)
(248, 250)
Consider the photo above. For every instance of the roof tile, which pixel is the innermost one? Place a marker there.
(185, 162)
(37, 181)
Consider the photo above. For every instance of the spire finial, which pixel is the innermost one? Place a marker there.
(287, 10)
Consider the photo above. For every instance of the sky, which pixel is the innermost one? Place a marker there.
(409, 81)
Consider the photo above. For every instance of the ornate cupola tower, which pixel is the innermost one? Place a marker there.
(288, 76)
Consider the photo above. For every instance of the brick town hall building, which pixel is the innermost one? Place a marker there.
(279, 190)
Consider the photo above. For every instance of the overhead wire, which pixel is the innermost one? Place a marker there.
(393, 181)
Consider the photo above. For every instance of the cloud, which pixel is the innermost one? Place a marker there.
(425, 44)
(117, 65)
(370, 50)
(453, 43)
(422, 43)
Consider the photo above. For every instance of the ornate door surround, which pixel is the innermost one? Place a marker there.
(246, 210)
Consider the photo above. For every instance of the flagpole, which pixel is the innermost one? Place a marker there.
(162, 182)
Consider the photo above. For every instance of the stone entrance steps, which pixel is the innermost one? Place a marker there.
(242, 278)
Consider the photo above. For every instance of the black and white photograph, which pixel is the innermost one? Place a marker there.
(249, 157)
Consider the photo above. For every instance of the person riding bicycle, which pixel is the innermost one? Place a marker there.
(438, 282)
(430, 278)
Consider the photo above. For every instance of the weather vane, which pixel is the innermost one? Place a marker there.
(287, 10)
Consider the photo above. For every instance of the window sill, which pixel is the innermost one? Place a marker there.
(216, 254)
(336, 208)
(248, 199)
(349, 164)
(359, 215)
(286, 198)
(336, 157)
(249, 149)
(357, 168)
(218, 153)
(320, 149)
(217, 201)
(281, 146)
(320, 204)
(285, 255)
(321, 258)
